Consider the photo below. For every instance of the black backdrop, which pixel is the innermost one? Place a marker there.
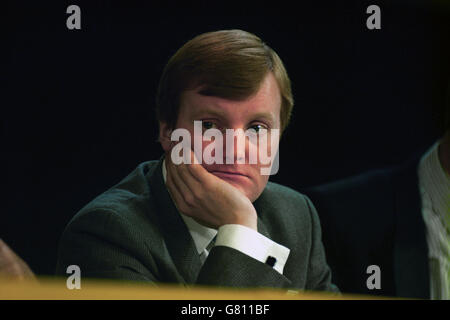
(77, 112)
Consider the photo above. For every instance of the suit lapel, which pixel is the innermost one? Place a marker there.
(179, 242)
(410, 248)
(260, 206)
(262, 228)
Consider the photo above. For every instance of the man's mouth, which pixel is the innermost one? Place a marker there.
(229, 174)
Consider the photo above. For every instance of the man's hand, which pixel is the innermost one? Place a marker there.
(206, 198)
(12, 266)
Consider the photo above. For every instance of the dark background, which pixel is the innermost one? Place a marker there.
(77, 112)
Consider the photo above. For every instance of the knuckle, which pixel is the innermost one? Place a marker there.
(185, 209)
(189, 199)
(207, 185)
(187, 212)
(198, 194)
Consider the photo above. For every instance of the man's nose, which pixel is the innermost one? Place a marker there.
(235, 147)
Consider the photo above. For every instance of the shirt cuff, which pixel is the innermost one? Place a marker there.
(253, 244)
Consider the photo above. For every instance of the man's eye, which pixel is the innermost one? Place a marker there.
(208, 125)
(257, 127)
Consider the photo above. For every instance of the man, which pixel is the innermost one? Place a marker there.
(209, 224)
(397, 219)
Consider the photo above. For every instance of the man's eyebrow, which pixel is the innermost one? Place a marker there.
(265, 116)
(205, 110)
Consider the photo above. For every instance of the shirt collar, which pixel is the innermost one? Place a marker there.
(435, 181)
(201, 235)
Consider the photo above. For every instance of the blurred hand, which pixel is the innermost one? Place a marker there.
(12, 266)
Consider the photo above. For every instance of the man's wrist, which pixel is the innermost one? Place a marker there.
(249, 220)
(253, 244)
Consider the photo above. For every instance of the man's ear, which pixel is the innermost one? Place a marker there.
(165, 131)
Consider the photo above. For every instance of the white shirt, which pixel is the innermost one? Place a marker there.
(238, 237)
(434, 186)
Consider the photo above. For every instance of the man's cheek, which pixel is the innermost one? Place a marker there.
(268, 154)
(197, 145)
(212, 152)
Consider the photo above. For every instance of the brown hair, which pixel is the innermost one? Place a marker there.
(229, 64)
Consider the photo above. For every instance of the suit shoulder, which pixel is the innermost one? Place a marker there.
(288, 215)
(128, 199)
(279, 190)
(286, 199)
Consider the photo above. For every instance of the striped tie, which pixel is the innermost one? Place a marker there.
(206, 251)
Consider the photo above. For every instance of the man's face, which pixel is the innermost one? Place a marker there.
(261, 111)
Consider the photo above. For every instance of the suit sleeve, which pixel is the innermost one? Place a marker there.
(319, 273)
(248, 272)
(244, 271)
(253, 244)
(103, 247)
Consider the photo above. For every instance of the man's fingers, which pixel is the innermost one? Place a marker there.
(178, 190)
(183, 171)
(173, 190)
(187, 177)
(197, 171)
(178, 181)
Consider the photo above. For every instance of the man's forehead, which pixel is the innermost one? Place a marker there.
(198, 104)
(266, 100)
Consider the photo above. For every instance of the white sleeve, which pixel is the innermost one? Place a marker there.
(253, 244)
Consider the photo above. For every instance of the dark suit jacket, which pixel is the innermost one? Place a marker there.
(134, 232)
(375, 219)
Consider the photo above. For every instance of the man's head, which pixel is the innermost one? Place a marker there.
(228, 79)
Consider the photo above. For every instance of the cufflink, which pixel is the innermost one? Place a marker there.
(271, 261)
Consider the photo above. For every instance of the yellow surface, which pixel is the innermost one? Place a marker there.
(54, 288)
